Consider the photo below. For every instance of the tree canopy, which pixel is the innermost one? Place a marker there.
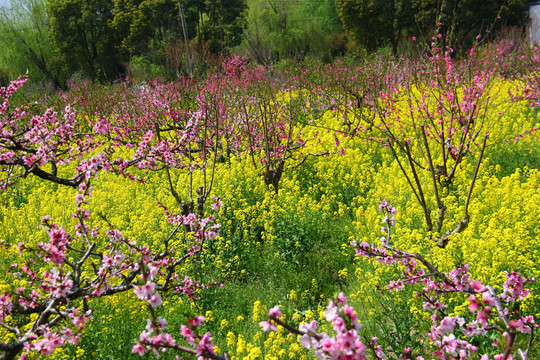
(377, 23)
(279, 29)
(25, 41)
(84, 37)
(54, 40)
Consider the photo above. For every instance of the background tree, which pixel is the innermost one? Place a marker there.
(377, 23)
(463, 21)
(140, 24)
(25, 42)
(222, 23)
(84, 37)
(280, 29)
(98, 37)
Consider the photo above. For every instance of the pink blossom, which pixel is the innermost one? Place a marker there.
(520, 326)
(138, 348)
(473, 303)
(482, 317)
(155, 300)
(341, 299)
(144, 292)
(275, 312)
(267, 326)
(477, 286)
(308, 341)
(205, 344)
(488, 298)
(196, 321)
(187, 334)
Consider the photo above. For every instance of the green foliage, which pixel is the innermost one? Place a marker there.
(84, 37)
(279, 29)
(388, 315)
(98, 37)
(4, 76)
(138, 22)
(142, 69)
(462, 21)
(377, 23)
(25, 42)
(54, 40)
(222, 23)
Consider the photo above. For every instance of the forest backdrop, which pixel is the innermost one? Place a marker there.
(106, 40)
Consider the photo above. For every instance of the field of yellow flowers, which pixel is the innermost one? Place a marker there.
(292, 247)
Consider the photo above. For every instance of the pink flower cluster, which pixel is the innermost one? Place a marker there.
(189, 287)
(204, 228)
(49, 340)
(346, 344)
(483, 300)
(155, 338)
(147, 292)
(54, 250)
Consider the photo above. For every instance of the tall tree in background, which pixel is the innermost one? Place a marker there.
(25, 42)
(220, 22)
(463, 20)
(138, 23)
(98, 37)
(84, 37)
(377, 23)
(279, 29)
